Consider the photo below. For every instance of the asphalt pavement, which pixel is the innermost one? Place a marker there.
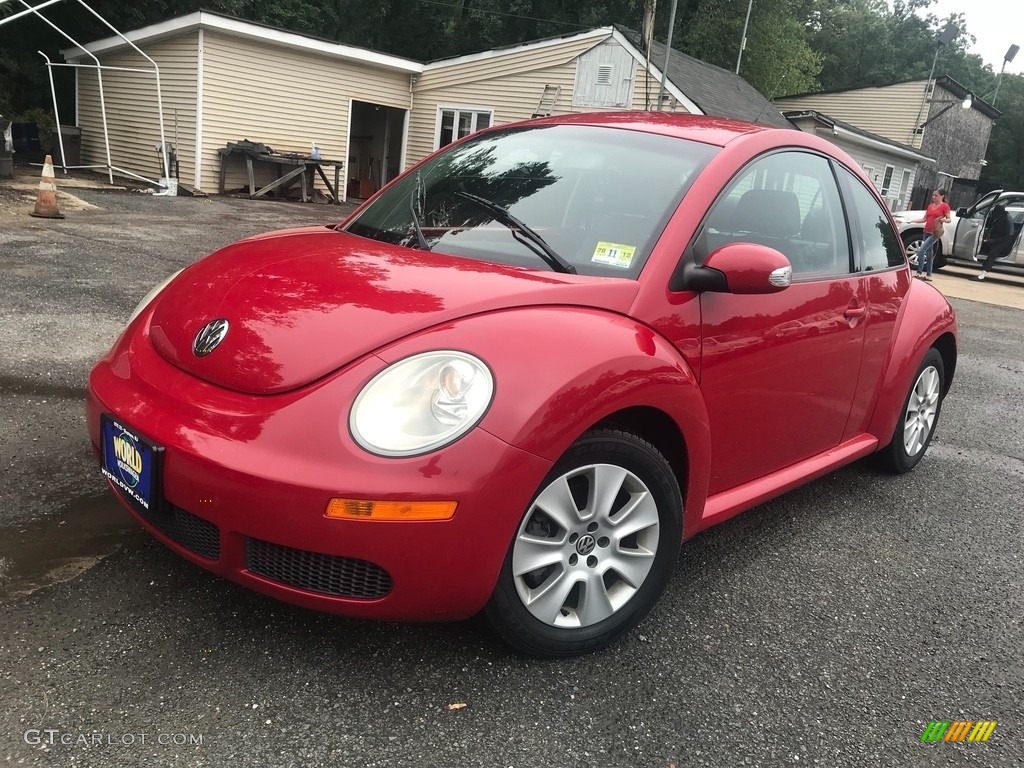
(828, 627)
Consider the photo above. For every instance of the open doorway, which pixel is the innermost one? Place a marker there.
(375, 147)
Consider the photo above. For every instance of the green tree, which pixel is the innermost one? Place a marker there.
(1005, 156)
(778, 58)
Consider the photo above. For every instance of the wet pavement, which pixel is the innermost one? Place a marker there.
(45, 552)
(827, 627)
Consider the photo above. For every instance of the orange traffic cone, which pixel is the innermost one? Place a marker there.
(46, 200)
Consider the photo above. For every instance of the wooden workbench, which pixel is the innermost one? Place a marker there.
(302, 171)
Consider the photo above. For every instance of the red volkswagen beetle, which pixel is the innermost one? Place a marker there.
(521, 375)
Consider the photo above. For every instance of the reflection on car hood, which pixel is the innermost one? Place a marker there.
(303, 303)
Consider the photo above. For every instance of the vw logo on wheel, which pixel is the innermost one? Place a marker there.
(585, 545)
(209, 337)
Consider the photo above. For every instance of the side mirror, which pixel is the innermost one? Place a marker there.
(742, 268)
(961, 212)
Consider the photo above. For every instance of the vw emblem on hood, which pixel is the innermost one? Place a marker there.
(209, 337)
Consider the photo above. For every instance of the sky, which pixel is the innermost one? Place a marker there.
(996, 24)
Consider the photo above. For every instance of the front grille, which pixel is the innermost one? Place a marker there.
(193, 533)
(315, 572)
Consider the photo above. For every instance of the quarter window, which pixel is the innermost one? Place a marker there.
(456, 123)
(875, 240)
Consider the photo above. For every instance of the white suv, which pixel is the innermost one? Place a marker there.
(961, 240)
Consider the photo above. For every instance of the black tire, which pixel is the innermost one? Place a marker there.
(592, 582)
(918, 418)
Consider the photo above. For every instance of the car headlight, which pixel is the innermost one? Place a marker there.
(421, 403)
(152, 295)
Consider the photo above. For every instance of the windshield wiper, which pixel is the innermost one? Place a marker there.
(415, 199)
(520, 230)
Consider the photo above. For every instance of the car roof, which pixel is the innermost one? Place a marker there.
(718, 131)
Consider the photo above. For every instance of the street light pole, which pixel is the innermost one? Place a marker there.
(1010, 53)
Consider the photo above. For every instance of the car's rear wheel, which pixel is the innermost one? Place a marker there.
(918, 418)
(594, 550)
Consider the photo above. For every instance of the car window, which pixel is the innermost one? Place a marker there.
(788, 201)
(598, 197)
(875, 242)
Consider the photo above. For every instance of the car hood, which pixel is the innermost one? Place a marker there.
(908, 217)
(905, 217)
(302, 303)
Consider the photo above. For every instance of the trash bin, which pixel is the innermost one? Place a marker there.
(71, 136)
(26, 142)
(6, 149)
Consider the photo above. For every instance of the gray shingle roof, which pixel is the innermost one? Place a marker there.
(715, 90)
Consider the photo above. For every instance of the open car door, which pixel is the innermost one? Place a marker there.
(970, 226)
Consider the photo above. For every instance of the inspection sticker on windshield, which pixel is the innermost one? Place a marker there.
(614, 254)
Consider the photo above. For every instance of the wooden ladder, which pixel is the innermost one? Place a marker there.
(547, 100)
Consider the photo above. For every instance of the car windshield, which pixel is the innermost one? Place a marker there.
(572, 198)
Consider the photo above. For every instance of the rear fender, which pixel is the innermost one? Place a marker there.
(928, 321)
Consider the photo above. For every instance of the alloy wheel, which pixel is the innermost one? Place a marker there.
(922, 409)
(586, 546)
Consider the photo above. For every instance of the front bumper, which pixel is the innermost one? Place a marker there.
(246, 481)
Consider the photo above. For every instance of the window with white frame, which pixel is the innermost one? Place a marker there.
(887, 180)
(904, 187)
(456, 122)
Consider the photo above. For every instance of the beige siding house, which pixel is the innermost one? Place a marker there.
(598, 70)
(891, 111)
(223, 81)
(940, 118)
(892, 166)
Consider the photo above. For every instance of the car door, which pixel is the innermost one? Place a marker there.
(970, 225)
(779, 371)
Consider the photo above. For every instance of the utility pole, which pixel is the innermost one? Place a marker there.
(743, 40)
(668, 50)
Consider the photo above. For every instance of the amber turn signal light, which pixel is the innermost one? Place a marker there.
(357, 509)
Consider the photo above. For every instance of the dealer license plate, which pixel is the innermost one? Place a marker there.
(131, 463)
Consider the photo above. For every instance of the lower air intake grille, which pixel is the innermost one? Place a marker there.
(315, 572)
(191, 532)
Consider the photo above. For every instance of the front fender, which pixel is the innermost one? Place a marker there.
(560, 370)
(928, 321)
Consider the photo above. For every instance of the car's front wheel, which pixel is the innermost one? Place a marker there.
(594, 550)
(918, 418)
(912, 244)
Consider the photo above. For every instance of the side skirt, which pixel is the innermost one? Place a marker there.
(722, 506)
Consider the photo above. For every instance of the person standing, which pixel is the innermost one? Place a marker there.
(999, 238)
(937, 214)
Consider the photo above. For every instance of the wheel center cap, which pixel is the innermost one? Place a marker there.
(585, 544)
